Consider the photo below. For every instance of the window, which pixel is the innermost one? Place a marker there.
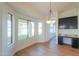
(30, 29)
(9, 28)
(22, 29)
(52, 28)
(25, 29)
(39, 28)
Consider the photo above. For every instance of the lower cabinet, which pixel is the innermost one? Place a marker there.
(75, 42)
(60, 40)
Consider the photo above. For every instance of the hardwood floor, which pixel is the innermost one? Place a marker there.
(48, 49)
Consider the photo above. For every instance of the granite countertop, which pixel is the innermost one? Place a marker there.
(69, 35)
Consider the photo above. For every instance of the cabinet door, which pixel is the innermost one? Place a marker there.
(60, 40)
(75, 43)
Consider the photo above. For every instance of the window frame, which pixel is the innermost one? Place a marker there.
(30, 27)
(11, 42)
(52, 26)
(40, 27)
(18, 28)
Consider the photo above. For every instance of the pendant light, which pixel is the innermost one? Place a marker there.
(49, 21)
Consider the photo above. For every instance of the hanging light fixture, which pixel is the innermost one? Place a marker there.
(49, 21)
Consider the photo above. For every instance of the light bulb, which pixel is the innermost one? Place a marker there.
(50, 21)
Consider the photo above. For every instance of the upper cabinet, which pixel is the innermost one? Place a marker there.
(68, 22)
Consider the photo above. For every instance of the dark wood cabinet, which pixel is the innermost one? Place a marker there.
(75, 42)
(60, 40)
(68, 22)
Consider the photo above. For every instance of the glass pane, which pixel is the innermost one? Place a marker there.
(31, 28)
(39, 28)
(52, 28)
(22, 29)
(9, 27)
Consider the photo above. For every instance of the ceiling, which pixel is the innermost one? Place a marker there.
(41, 9)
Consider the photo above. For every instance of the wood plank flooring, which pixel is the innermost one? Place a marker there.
(48, 49)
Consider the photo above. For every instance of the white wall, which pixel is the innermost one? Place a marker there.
(6, 50)
(1, 28)
(18, 44)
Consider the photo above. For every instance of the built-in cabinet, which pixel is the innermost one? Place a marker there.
(60, 40)
(75, 41)
(68, 22)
